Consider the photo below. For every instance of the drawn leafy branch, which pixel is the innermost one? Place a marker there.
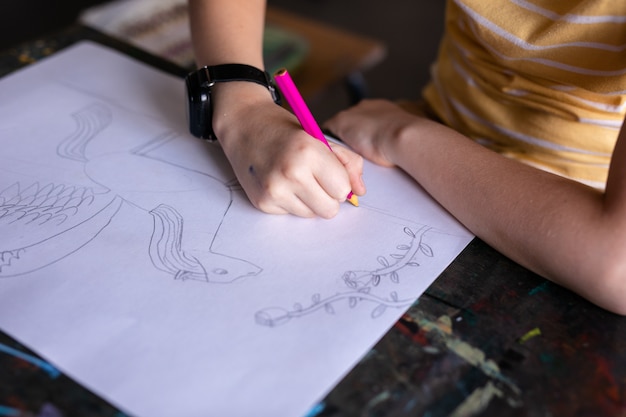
(406, 258)
(361, 284)
(275, 316)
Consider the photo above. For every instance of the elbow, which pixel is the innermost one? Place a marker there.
(609, 286)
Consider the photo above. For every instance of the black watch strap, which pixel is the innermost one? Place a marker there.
(236, 72)
(199, 84)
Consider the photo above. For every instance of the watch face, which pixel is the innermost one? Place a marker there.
(199, 105)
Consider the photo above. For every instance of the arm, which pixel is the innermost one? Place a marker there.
(565, 231)
(280, 167)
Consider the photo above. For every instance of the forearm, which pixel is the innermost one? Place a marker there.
(230, 31)
(227, 31)
(561, 229)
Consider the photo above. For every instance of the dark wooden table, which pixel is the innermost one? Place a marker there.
(488, 338)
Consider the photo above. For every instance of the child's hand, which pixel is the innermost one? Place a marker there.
(280, 167)
(372, 128)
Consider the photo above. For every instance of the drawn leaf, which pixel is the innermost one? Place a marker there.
(316, 298)
(394, 296)
(396, 256)
(378, 311)
(297, 307)
(383, 261)
(395, 278)
(365, 290)
(375, 280)
(403, 247)
(352, 302)
(351, 275)
(329, 308)
(426, 250)
(350, 279)
(409, 232)
(412, 264)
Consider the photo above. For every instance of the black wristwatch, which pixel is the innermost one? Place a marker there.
(199, 84)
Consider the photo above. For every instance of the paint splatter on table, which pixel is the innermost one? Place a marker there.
(490, 338)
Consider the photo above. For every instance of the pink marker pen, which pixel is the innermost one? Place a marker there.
(303, 114)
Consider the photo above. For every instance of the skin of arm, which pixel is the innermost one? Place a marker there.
(565, 231)
(280, 167)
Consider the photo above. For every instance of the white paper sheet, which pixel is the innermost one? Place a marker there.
(132, 261)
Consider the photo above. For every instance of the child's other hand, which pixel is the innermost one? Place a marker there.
(372, 128)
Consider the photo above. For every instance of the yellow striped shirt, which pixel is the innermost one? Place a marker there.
(541, 81)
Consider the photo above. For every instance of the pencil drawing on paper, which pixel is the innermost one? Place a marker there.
(362, 285)
(50, 221)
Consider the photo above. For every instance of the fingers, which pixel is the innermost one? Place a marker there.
(300, 198)
(293, 206)
(283, 170)
(368, 126)
(311, 183)
(353, 163)
(323, 185)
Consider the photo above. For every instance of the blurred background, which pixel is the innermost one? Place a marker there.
(409, 29)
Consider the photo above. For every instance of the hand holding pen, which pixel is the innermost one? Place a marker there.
(302, 112)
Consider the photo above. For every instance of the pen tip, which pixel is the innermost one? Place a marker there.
(354, 200)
